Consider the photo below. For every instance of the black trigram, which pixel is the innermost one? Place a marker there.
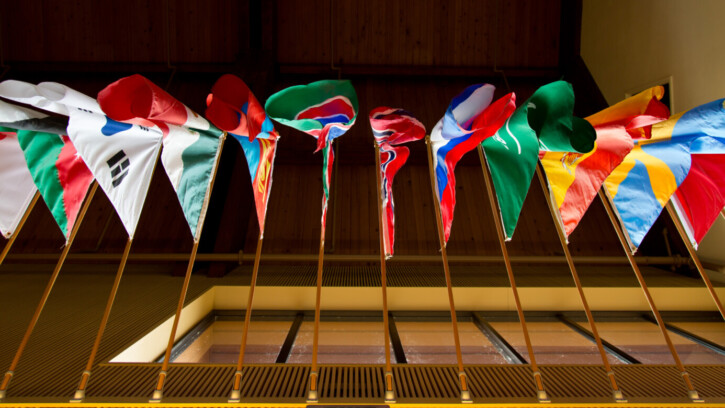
(119, 167)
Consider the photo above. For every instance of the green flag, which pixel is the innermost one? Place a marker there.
(544, 122)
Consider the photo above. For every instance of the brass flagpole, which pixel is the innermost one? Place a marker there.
(541, 393)
(312, 394)
(48, 288)
(463, 379)
(692, 393)
(389, 392)
(158, 393)
(616, 392)
(14, 235)
(236, 394)
(693, 254)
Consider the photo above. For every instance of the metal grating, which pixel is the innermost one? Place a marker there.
(651, 381)
(501, 382)
(585, 381)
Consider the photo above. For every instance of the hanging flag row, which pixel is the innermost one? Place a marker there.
(634, 150)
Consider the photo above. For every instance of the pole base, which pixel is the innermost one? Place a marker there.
(235, 396)
(312, 396)
(694, 396)
(389, 396)
(618, 396)
(541, 395)
(157, 396)
(2, 395)
(466, 397)
(79, 396)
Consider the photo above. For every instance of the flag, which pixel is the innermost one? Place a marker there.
(391, 128)
(16, 184)
(137, 100)
(544, 122)
(121, 156)
(322, 109)
(701, 196)
(232, 107)
(469, 120)
(191, 145)
(49, 96)
(651, 173)
(575, 178)
(55, 167)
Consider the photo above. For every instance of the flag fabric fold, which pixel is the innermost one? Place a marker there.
(191, 145)
(57, 170)
(545, 122)
(650, 174)
(49, 96)
(575, 178)
(391, 128)
(232, 107)
(470, 119)
(323, 109)
(16, 183)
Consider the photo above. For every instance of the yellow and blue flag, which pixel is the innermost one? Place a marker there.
(650, 174)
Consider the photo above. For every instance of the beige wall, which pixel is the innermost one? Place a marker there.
(629, 45)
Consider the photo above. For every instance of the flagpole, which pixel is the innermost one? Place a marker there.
(616, 392)
(46, 294)
(80, 393)
(678, 224)
(236, 394)
(312, 394)
(465, 393)
(158, 393)
(541, 393)
(14, 235)
(692, 393)
(389, 392)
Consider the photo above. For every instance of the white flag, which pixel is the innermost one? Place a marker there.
(50, 96)
(16, 185)
(121, 157)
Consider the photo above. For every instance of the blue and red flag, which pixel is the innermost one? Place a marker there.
(650, 174)
(391, 128)
(470, 118)
(232, 107)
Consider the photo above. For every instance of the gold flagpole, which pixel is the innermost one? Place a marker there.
(80, 393)
(389, 392)
(158, 393)
(14, 235)
(678, 224)
(694, 396)
(616, 392)
(541, 393)
(465, 392)
(48, 288)
(312, 394)
(236, 394)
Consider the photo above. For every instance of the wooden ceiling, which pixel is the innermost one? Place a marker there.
(414, 54)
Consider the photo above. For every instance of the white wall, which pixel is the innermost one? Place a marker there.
(629, 45)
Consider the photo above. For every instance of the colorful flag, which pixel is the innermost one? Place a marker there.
(232, 107)
(121, 156)
(646, 179)
(391, 128)
(135, 99)
(49, 96)
(16, 184)
(55, 167)
(575, 178)
(322, 109)
(469, 120)
(701, 197)
(191, 145)
(544, 122)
